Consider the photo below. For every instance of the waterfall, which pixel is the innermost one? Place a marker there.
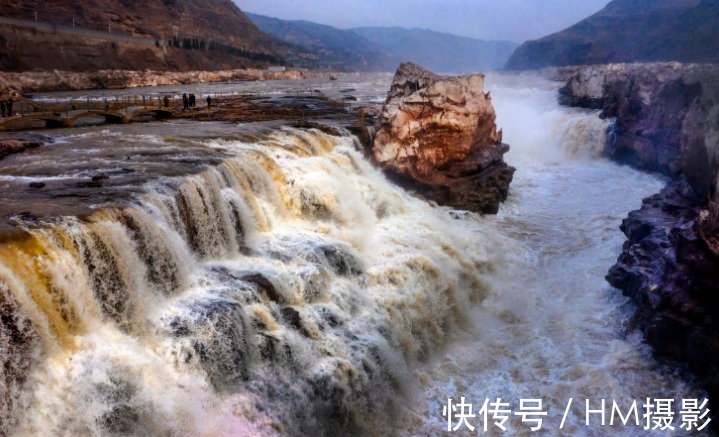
(550, 327)
(290, 288)
(287, 288)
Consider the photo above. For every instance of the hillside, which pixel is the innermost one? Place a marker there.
(441, 52)
(334, 48)
(131, 34)
(630, 31)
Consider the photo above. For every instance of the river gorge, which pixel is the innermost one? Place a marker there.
(258, 278)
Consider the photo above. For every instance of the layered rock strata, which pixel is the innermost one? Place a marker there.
(650, 103)
(47, 81)
(667, 120)
(437, 135)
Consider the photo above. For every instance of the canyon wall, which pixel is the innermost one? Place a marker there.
(132, 35)
(658, 108)
(667, 121)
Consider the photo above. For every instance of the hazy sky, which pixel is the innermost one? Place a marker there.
(513, 20)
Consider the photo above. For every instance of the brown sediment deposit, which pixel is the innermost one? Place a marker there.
(46, 81)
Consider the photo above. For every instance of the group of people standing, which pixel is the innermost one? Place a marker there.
(188, 101)
(191, 101)
(6, 107)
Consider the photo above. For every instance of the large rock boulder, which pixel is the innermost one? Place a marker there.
(437, 135)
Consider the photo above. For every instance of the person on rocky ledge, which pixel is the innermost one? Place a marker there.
(209, 102)
(185, 102)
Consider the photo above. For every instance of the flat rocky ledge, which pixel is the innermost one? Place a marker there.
(46, 81)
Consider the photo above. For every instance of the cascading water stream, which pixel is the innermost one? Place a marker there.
(291, 289)
(550, 327)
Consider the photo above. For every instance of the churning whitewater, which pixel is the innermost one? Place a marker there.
(289, 288)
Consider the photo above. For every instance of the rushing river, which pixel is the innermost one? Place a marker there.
(257, 279)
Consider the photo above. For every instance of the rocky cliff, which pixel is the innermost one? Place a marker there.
(437, 135)
(131, 35)
(656, 108)
(667, 120)
(630, 31)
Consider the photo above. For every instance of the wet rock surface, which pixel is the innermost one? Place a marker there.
(20, 143)
(667, 268)
(214, 332)
(437, 135)
(653, 105)
(667, 121)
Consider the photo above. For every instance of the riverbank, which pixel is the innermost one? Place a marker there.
(236, 108)
(664, 121)
(49, 81)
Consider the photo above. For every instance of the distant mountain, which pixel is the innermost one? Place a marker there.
(383, 48)
(84, 35)
(441, 52)
(630, 30)
(334, 48)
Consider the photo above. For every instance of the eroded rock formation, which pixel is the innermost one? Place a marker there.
(651, 104)
(44, 81)
(437, 135)
(667, 120)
